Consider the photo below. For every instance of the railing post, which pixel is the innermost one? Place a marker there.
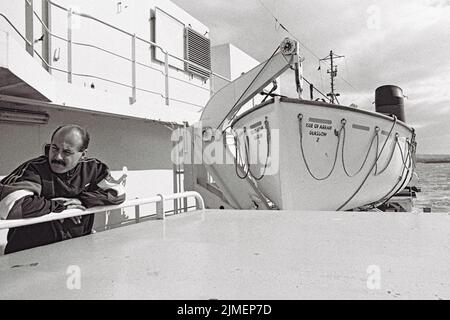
(29, 23)
(211, 84)
(133, 69)
(137, 213)
(69, 45)
(166, 74)
(160, 208)
(197, 203)
(175, 175)
(47, 41)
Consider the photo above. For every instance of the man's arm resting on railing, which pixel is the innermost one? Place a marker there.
(108, 191)
(34, 206)
(97, 198)
(20, 200)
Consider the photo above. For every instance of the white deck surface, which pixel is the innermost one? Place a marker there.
(244, 255)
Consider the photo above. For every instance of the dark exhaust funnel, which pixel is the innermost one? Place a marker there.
(389, 100)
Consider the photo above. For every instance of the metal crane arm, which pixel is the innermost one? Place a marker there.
(222, 107)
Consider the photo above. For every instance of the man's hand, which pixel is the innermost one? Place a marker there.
(72, 203)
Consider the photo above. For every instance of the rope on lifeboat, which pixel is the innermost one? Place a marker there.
(405, 158)
(375, 136)
(408, 147)
(390, 156)
(373, 166)
(268, 138)
(410, 151)
(247, 153)
(300, 118)
(238, 154)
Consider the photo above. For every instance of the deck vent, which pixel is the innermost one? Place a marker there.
(198, 51)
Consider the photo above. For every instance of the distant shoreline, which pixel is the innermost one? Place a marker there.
(432, 161)
(433, 158)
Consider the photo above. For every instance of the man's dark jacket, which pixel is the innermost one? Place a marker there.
(28, 192)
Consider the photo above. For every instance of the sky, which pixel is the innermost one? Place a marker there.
(401, 42)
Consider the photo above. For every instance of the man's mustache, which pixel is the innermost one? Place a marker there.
(58, 162)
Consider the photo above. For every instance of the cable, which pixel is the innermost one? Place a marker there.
(302, 44)
(315, 88)
(346, 71)
(337, 100)
(285, 29)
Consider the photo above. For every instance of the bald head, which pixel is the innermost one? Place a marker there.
(69, 145)
(76, 130)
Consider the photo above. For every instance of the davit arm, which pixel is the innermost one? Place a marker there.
(225, 104)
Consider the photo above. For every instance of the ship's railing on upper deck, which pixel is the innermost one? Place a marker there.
(136, 203)
(132, 85)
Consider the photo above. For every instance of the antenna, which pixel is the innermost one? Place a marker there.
(333, 74)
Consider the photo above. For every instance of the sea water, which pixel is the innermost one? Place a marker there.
(434, 181)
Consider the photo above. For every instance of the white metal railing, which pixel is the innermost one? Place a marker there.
(133, 38)
(159, 200)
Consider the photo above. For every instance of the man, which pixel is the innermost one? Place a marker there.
(61, 179)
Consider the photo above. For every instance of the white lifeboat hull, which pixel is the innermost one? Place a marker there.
(324, 156)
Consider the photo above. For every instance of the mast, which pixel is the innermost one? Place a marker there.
(333, 74)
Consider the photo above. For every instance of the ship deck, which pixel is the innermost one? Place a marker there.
(225, 254)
